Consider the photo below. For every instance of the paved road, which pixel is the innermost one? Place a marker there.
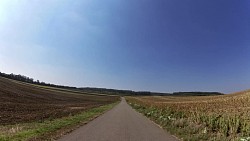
(122, 123)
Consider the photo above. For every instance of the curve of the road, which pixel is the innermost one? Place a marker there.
(122, 123)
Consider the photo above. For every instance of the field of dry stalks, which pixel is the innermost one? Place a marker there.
(225, 117)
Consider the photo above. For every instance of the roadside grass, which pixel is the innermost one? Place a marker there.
(50, 129)
(197, 128)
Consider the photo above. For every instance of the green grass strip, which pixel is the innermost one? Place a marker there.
(36, 130)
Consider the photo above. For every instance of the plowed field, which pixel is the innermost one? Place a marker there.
(22, 102)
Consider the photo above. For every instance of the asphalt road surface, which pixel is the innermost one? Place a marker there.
(122, 123)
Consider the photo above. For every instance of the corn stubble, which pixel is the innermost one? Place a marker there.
(224, 117)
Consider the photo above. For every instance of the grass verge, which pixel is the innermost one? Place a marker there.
(50, 130)
(189, 129)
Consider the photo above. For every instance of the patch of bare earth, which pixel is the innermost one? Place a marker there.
(25, 103)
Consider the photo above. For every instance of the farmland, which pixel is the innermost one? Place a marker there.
(224, 117)
(22, 104)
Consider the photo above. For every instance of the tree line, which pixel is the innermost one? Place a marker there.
(31, 80)
(84, 89)
(105, 90)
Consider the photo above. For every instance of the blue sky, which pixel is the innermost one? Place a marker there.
(155, 45)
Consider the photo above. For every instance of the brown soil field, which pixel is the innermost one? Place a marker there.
(21, 102)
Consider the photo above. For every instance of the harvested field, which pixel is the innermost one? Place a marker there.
(22, 102)
(225, 117)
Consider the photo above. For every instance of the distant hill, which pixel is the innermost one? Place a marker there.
(23, 78)
(105, 90)
(121, 92)
(196, 93)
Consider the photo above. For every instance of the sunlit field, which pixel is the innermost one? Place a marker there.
(225, 117)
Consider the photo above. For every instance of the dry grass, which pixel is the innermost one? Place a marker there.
(226, 116)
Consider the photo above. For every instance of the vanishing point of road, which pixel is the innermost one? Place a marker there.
(122, 123)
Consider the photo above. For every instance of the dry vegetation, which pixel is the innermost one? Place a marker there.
(224, 117)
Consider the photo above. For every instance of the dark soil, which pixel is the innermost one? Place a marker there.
(21, 102)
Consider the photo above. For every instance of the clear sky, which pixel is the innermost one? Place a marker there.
(155, 45)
